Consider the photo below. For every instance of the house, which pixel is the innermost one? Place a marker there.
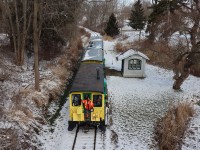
(133, 63)
(127, 31)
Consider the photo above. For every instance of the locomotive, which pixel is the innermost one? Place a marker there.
(88, 94)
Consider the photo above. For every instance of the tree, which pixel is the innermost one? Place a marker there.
(96, 13)
(36, 36)
(169, 17)
(137, 19)
(18, 18)
(112, 26)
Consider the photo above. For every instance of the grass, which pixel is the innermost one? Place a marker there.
(120, 48)
(170, 129)
(107, 38)
(159, 53)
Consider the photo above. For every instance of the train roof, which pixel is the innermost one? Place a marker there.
(96, 43)
(93, 54)
(86, 78)
(96, 38)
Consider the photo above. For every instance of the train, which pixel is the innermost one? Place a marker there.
(88, 95)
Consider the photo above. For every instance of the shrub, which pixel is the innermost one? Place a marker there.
(107, 38)
(170, 129)
(82, 31)
(88, 34)
(120, 48)
(79, 43)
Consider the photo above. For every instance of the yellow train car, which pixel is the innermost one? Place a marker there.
(88, 96)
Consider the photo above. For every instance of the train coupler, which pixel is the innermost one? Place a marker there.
(71, 125)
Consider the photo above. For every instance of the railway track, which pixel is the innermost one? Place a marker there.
(85, 138)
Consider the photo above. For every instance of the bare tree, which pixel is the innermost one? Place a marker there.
(179, 17)
(98, 12)
(19, 23)
(36, 35)
(187, 60)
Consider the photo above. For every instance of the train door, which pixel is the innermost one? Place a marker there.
(87, 112)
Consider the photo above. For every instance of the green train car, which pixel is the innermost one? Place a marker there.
(89, 84)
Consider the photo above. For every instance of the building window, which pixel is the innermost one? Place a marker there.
(134, 64)
(76, 99)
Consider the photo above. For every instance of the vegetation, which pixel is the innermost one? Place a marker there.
(170, 129)
(42, 29)
(47, 29)
(137, 19)
(112, 26)
(171, 17)
(94, 14)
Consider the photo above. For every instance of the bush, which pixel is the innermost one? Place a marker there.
(88, 34)
(82, 31)
(79, 43)
(120, 48)
(159, 53)
(107, 38)
(170, 129)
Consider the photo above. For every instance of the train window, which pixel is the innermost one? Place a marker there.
(97, 100)
(76, 99)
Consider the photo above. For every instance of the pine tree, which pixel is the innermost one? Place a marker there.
(112, 26)
(137, 19)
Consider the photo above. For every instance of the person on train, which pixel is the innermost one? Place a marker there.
(88, 104)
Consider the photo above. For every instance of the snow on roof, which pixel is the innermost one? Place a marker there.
(93, 54)
(97, 39)
(130, 53)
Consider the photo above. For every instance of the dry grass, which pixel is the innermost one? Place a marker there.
(107, 38)
(39, 103)
(88, 34)
(160, 53)
(62, 61)
(120, 48)
(79, 43)
(114, 137)
(60, 72)
(170, 129)
(82, 31)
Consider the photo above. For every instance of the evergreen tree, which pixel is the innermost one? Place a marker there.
(158, 17)
(137, 19)
(112, 26)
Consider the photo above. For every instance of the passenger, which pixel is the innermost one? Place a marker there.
(88, 104)
(76, 101)
(98, 104)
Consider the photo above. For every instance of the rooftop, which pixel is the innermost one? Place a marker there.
(130, 52)
(86, 79)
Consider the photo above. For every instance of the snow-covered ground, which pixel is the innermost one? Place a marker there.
(136, 104)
